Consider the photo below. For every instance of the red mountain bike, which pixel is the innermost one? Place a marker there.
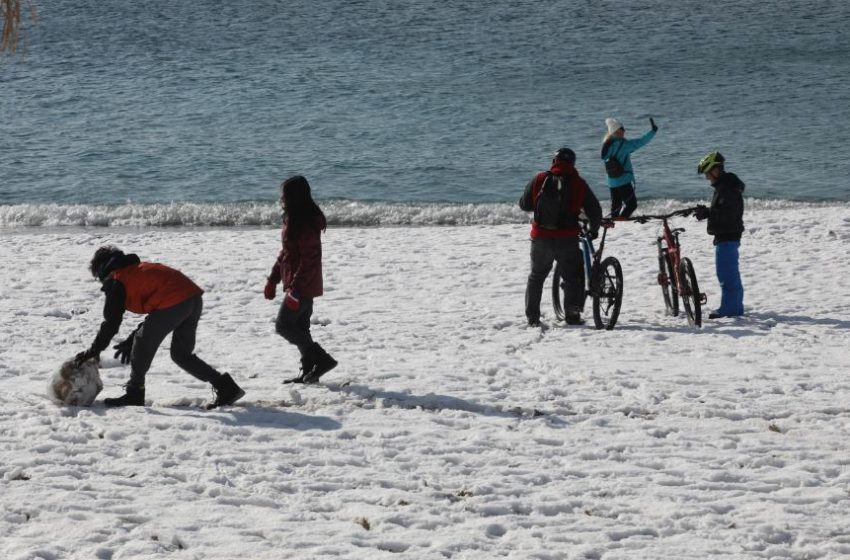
(676, 274)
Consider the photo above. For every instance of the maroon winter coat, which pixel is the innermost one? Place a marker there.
(299, 264)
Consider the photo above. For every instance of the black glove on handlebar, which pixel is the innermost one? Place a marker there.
(701, 212)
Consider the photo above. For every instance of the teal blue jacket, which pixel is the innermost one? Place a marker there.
(622, 149)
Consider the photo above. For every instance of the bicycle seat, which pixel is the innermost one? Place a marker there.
(678, 230)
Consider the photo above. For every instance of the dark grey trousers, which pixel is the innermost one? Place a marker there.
(294, 326)
(545, 251)
(182, 321)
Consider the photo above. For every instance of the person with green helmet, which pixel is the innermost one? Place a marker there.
(726, 223)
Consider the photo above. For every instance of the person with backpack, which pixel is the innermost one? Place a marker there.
(172, 304)
(616, 155)
(299, 268)
(726, 223)
(557, 198)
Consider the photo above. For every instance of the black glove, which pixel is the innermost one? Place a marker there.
(701, 212)
(123, 349)
(654, 126)
(593, 234)
(85, 356)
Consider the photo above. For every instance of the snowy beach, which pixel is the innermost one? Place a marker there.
(450, 428)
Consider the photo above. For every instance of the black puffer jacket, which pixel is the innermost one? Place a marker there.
(726, 214)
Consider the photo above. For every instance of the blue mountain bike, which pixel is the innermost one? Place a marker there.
(603, 281)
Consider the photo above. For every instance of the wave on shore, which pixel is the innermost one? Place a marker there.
(339, 213)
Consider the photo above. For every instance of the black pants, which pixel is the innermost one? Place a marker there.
(294, 326)
(181, 320)
(544, 251)
(623, 201)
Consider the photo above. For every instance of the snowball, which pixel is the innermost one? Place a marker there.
(75, 385)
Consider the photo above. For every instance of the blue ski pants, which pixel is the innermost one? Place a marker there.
(729, 276)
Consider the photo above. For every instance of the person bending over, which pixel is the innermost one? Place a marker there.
(172, 304)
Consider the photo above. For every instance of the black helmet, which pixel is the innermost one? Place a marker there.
(564, 154)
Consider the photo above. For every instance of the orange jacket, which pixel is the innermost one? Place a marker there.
(152, 286)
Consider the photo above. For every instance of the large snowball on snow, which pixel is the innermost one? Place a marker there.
(77, 386)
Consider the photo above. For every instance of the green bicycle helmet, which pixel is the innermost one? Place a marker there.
(710, 161)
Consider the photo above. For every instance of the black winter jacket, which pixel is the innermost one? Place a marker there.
(726, 214)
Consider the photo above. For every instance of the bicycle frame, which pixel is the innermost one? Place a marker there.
(671, 248)
(590, 256)
(602, 281)
(676, 274)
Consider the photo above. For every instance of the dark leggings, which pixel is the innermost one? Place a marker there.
(623, 201)
(182, 321)
(294, 326)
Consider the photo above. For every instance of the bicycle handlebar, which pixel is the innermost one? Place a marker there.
(644, 219)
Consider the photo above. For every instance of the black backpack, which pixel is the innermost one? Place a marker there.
(613, 167)
(551, 210)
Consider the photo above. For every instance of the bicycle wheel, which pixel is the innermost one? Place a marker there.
(559, 295)
(607, 292)
(666, 280)
(691, 298)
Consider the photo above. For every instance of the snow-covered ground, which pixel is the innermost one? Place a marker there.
(450, 429)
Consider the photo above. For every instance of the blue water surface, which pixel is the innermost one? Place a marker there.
(418, 101)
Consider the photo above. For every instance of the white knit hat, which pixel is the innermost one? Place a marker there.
(613, 125)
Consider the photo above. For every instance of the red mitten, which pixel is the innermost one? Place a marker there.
(292, 300)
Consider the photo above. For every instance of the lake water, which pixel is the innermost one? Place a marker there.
(418, 102)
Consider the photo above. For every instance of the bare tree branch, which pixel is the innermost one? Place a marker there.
(11, 10)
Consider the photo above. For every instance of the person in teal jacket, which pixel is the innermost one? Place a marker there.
(616, 154)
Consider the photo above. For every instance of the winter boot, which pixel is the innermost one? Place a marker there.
(573, 318)
(135, 397)
(322, 363)
(227, 392)
(308, 362)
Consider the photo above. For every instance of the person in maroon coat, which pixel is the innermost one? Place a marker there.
(299, 268)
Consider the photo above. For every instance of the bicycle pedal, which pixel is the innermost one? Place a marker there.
(703, 299)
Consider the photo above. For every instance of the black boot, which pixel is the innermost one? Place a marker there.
(135, 397)
(574, 318)
(308, 361)
(322, 363)
(227, 392)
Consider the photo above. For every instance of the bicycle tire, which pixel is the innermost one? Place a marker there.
(666, 279)
(691, 299)
(559, 295)
(607, 292)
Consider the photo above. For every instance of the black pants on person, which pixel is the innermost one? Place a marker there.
(623, 201)
(182, 321)
(294, 326)
(545, 251)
